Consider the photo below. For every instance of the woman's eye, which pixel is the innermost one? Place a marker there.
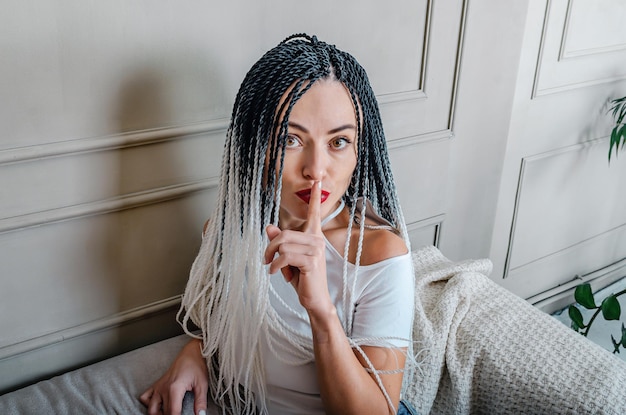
(291, 141)
(339, 143)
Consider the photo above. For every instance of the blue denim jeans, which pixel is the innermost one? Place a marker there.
(405, 408)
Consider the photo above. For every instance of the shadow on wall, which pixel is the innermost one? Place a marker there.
(152, 241)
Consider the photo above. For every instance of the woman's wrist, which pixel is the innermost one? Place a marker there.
(324, 323)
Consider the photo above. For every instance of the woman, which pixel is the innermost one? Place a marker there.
(303, 286)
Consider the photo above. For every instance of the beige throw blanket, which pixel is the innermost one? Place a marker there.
(488, 351)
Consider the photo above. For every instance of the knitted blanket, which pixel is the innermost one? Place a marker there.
(488, 351)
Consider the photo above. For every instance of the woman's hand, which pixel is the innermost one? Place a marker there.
(187, 373)
(301, 257)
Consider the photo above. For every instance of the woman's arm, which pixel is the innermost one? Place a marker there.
(346, 387)
(187, 373)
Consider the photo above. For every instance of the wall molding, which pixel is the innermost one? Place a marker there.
(417, 93)
(157, 195)
(404, 96)
(100, 207)
(562, 295)
(420, 93)
(419, 139)
(110, 142)
(457, 65)
(106, 323)
(434, 221)
(145, 311)
(562, 56)
(520, 184)
(565, 54)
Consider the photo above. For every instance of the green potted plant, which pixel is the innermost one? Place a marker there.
(618, 133)
(610, 309)
(610, 306)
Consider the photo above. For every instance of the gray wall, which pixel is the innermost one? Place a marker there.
(561, 215)
(113, 116)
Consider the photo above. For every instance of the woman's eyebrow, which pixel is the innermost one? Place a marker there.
(333, 131)
(343, 127)
(298, 127)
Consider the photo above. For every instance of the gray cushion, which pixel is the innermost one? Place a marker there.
(112, 386)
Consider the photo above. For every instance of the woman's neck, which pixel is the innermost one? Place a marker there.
(299, 224)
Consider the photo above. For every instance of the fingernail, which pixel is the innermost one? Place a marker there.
(202, 412)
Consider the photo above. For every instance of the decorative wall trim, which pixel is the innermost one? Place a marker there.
(105, 323)
(400, 97)
(594, 51)
(565, 54)
(542, 43)
(111, 142)
(116, 204)
(419, 139)
(457, 65)
(566, 26)
(558, 297)
(417, 93)
(426, 46)
(420, 93)
(562, 55)
(520, 183)
(436, 221)
(148, 310)
(578, 85)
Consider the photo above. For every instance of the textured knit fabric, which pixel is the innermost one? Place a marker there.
(489, 352)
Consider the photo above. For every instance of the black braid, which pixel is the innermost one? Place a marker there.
(229, 267)
(297, 60)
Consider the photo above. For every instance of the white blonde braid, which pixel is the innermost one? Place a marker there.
(228, 293)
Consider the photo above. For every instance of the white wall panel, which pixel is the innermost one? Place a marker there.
(561, 205)
(421, 172)
(593, 27)
(85, 269)
(425, 232)
(111, 140)
(570, 217)
(77, 177)
(583, 45)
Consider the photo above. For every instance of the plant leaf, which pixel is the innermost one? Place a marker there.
(615, 345)
(621, 135)
(613, 142)
(577, 318)
(619, 109)
(584, 296)
(611, 309)
(623, 335)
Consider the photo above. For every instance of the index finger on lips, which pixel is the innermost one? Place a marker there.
(314, 221)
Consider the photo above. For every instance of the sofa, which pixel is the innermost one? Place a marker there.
(481, 350)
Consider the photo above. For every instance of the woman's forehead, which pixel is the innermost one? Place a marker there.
(325, 97)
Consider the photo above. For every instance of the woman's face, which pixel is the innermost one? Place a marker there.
(321, 146)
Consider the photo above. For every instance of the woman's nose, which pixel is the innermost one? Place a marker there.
(315, 164)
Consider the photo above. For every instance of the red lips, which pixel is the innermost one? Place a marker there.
(305, 195)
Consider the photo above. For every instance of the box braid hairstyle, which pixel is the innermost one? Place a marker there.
(228, 292)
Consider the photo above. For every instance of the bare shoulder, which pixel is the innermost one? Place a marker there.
(381, 244)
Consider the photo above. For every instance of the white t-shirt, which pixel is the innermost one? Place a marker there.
(384, 296)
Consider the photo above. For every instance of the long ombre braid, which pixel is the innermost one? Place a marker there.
(228, 292)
